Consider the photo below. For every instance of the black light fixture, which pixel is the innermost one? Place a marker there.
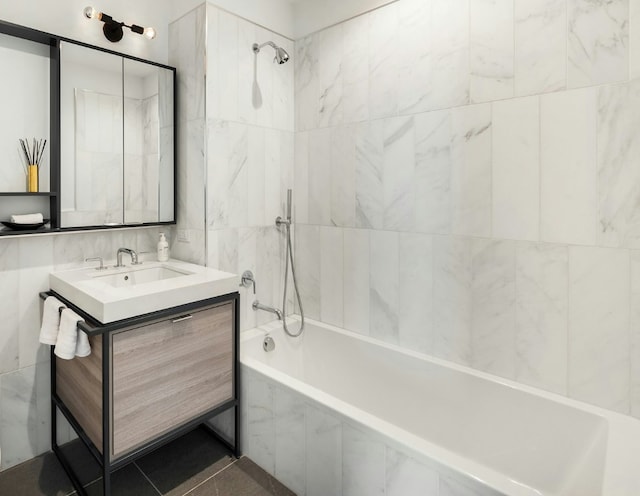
(112, 29)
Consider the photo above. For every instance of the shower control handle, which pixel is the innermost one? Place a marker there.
(247, 280)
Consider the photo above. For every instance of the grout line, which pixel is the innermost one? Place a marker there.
(135, 464)
(211, 477)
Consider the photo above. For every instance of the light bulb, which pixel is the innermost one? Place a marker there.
(90, 13)
(150, 33)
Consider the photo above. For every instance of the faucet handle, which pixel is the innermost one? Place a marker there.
(247, 280)
(96, 259)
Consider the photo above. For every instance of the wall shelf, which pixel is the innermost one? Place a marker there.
(39, 193)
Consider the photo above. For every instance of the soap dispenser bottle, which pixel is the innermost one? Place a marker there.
(163, 249)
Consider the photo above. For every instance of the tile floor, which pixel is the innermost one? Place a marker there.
(194, 465)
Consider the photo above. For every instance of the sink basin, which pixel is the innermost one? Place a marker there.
(140, 276)
(120, 293)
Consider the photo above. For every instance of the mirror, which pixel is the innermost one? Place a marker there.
(117, 134)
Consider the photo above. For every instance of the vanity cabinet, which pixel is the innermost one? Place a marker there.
(149, 379)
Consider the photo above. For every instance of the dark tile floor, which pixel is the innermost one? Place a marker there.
(194, 465)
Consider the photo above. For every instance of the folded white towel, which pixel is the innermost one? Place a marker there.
(50, 320)
(27, 219)
(83, 348)
(68, 335)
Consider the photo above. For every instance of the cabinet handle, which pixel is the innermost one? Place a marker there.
(180, 319)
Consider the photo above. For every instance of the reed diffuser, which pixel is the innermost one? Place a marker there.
(33, 154)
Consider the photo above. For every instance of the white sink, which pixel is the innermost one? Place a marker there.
(139, 275)
(120, 293)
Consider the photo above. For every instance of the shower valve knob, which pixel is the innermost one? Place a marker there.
(247, 280)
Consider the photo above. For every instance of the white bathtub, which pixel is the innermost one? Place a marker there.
(514, 439)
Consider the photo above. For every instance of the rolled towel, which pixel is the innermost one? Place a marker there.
(27, 219)
(68, 335)
(50, 320)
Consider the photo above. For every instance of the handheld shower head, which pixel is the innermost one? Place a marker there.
(281, 54)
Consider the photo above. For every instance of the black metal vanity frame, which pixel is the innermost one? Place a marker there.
(94, 328)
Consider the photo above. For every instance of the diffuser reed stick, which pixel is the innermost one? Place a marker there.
(33, 153)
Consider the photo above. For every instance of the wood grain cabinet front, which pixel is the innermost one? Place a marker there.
(162, 375)
(168, 373)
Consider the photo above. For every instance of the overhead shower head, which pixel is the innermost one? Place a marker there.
(281, 54)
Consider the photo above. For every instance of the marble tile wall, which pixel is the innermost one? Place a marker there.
(315, 451)
(25, 264)
(236, 155)
(467, 182)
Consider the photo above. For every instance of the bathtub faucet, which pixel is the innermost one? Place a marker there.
(259, 306)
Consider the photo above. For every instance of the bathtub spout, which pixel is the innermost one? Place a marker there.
(259, 306)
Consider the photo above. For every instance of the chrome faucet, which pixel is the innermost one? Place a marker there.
(259, 306)
(134, 256)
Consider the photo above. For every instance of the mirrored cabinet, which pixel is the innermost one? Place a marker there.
(109, 123)
(117, 132)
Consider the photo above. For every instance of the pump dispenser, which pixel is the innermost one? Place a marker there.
(163, 249)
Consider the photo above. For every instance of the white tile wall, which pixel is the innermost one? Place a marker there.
(398, 172)
(599, 356)
(415, 312)
(363, 463)
(568, 209)
(321, 452)
(432, 178)
(319, 174)
(452, 304)
(542, 306)
(540, 46)
(491, 43)
(324, 452)
(261, 432)
(384, 295)
(356, 280)
(369, 175)
(383, 62)
(405, 476)
(493, 293)
(505, 206)
(471, 170)
(598, 42)
(331, 276)
(290, 436)
(343, 176)
(618, 169)
(516, 169)
(355, 70)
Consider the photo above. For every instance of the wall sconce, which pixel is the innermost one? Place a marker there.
(113, 29)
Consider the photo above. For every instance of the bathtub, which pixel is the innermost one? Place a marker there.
(459, 426)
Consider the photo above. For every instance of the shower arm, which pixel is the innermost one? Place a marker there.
(257, 48)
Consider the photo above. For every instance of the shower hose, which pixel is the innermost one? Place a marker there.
(288, 258)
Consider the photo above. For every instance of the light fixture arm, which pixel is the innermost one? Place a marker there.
(112, 29)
